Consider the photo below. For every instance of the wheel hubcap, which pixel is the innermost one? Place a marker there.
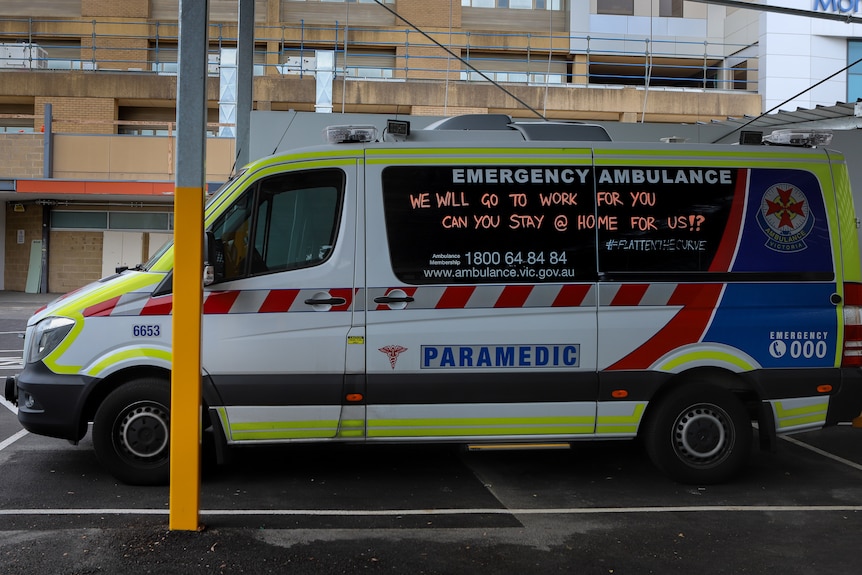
(144, 431)
(701, 434)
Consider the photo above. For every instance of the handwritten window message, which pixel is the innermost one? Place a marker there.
(492, 224)
(664, 219)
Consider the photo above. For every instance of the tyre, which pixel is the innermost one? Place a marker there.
(131, 432)
(699, 434)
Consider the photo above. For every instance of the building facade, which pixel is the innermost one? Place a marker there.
(95, 191)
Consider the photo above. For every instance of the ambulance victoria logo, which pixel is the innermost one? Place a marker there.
(785, 218)
(393, 351)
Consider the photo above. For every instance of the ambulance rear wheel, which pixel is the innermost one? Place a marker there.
(131, 432)
(699, 434)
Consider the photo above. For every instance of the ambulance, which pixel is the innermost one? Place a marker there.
(520, 285)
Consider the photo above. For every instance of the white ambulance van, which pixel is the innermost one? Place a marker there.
(485, 287)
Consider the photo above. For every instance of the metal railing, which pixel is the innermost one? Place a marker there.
(388, 54)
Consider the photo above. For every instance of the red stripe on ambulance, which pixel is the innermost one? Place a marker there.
(102, 309)
(698, 301)
(727, 247)
(278, 300)
(220, 302)
(630, 294)
(514, 296)
(455, 297)
(571, 295)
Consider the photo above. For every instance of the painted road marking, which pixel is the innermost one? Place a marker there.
(6, 443)
(429, 512)
(826, 454)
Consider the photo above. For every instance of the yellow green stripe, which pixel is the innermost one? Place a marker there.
(75, 307)
(621, 423)
(706, 355)
(137, 353)
(804, 415)
(265, 425)
(490, 426)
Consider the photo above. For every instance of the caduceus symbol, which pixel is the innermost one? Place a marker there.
(392, 351)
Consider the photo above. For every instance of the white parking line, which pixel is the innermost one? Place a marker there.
(826, 454)
(8, 405)
(6, 443)
(429, 512)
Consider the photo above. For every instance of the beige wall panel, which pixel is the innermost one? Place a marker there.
(220, 159)
(81, 154)
(41, 8)
(140, 155)
(125, 158)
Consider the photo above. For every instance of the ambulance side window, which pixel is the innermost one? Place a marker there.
(283, 222)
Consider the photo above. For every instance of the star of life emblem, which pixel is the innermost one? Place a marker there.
(785, 218)
(393, 351)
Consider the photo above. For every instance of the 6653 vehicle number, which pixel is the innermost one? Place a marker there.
(146, 330)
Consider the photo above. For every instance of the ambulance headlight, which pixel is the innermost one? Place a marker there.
(47, 336)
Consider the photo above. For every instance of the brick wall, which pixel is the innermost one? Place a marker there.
(70, 114)
(113, 8)
(424, 61)
(18, 255)
(75, 259)
(116, 53)
(433, 13)
(21, 155)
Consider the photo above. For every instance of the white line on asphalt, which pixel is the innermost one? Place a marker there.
(846, 462)
(6, 443)
(8, 405)
(427, 512)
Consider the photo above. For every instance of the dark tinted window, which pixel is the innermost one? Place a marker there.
(711, 220)
(282, 222)
(490, 224)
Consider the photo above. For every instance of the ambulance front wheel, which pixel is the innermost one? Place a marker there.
(699, 434)
(131, 432)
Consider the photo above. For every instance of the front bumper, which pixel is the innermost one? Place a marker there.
(48, 403)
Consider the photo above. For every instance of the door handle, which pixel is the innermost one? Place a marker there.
(329, 301)
(390, 299)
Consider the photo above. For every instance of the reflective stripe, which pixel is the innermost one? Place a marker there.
(271, 430)
(163, 357)
(706, 354)
(799, 414)
(491, 296)
(279, 423)
(481, 420)
(619, 418)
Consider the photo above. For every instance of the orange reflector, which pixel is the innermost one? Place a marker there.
(826, 388)
(354, 397)
(619, 393)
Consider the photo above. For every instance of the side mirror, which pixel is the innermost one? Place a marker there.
(210, 258)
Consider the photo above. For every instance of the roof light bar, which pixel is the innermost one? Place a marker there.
(350, 134)
(808, 138)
